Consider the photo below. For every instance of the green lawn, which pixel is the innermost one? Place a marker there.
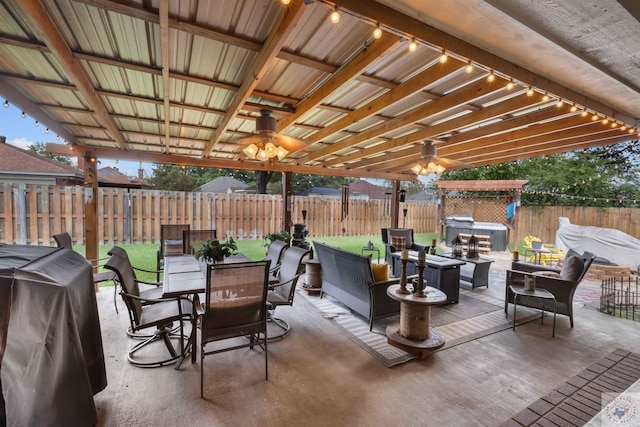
(145, 255)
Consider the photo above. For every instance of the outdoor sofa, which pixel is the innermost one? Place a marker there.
(348, 277)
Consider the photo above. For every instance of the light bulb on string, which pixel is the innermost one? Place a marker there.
(491, 77)
(377, 32)
(23, 115)
(469, 68)
(413, 45)
(335, 15)
(510, 85)
(6, 103)
(443, 57)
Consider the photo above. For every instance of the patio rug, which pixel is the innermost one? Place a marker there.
(474, 316)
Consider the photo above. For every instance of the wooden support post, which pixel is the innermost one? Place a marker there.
(286, 199)
(91, 209)
(395, 204)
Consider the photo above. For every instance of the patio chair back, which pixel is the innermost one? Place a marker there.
(193, 239)
(63, 240)
(274, 253)
(290, 271)
(235, 306)
(126, 277)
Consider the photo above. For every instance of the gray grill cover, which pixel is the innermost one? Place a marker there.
(51, 356)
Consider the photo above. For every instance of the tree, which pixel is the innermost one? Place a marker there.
(603, 176)
(41, 149)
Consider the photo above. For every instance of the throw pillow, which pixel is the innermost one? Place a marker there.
(172, 247)
(398, 242)
(572, 268)
(380, 272)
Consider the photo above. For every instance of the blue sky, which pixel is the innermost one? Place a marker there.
(23, 133)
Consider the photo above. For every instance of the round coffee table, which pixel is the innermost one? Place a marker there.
(414, 334)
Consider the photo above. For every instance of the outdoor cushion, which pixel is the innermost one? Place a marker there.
(380, 272)
(172, 247)
(572, 268)
(398, 242)
(401, 232)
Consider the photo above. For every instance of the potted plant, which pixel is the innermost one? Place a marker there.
(213, 250)
(280, 235)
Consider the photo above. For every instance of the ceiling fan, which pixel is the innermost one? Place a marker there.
(430, 163)
(268, 144)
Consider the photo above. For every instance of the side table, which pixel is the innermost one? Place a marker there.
(313, 276)
(373, 249)
(536, 293)
(414, 333)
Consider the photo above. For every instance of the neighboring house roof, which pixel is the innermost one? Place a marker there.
(223, 184)
(112, 177)
(422, 195)
(325, 191)
(366, 188)
(26, 167)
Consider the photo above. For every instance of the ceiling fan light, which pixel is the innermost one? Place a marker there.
(440, 169)
(251, 151)
(270, 149)
(281, 153)
(262, 155)
(417, 169)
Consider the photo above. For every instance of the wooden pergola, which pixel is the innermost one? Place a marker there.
(512, 187)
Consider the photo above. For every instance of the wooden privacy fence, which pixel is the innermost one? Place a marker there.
(33, 214)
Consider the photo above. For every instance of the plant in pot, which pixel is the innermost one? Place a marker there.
(280, 235)
(213, 250)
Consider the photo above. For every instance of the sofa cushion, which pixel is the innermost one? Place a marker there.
(399, 242)
(572, 268)
(401, 232)
(380, 272)
(172, 247)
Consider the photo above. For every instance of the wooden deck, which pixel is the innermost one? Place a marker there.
(319, 377)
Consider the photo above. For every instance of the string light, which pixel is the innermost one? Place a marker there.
(510, 85)
(335, 15)
(413, 45)
(285, 2)
(545, 98)
(37, 124)
(491, 77)
(560, 103)
(530, 91)
(573, 108)
(584, 113)
(377, 33)
(46, 130)
(23, 115)
(594, 117)
(6, 103)
(469, 68)
(443, 57)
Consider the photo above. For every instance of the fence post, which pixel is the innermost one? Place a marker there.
(126, 212)
(19, 201)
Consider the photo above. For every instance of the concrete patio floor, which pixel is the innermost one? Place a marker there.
(319, 377)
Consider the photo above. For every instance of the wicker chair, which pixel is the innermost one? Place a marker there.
(549, 279)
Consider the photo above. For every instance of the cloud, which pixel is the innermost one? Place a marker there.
(23, 143)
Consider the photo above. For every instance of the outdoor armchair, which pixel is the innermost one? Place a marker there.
(399, 239)
(274, 254)
(235, 306)
(154, 291)
(193, 239)
(147, 313)
(171, 243)
(561, 283)
(282, 289)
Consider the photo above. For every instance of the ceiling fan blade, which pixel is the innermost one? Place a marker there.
(450, 163)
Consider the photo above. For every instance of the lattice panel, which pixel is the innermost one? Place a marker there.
(481, 208)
